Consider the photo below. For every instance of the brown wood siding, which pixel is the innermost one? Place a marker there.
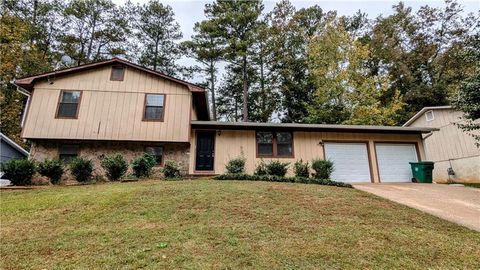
(110, 110)
(234, 143)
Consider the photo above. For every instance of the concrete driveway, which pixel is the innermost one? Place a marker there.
(457, 204)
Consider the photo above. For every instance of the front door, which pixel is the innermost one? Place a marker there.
(205, 151)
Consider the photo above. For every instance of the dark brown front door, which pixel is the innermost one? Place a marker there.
(205, 151)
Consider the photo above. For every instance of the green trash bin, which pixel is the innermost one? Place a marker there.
(422, 171)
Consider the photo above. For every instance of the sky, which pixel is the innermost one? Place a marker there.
(188, 12)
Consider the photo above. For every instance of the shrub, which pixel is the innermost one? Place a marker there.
(274, 178)
(53, 169)
(277, 168)
(327, 182)
(18, 171)
(115, 166)
(323, 168)
(171, 169)
(236, 165)
(81, 169)
(261, 169)
(303, 180)
(142, 166)
(301, 169)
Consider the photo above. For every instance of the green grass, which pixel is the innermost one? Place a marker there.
(205, 224)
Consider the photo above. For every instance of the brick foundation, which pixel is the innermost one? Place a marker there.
(95, 150)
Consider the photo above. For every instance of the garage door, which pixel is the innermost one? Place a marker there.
(350, 161)
(393, 161)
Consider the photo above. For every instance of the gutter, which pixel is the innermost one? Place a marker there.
(27, 105)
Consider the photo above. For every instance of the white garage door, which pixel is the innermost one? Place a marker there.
(350, 161)
(393, 161)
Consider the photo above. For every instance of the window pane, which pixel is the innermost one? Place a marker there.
(67, 110)
(284, 137)
(117, 74)
(264, 137)
(70, 96)
(68, 152)
(152, 113)
(155, 100)
(265, 149)
(67, 158)
(156, 151)
(284, 149)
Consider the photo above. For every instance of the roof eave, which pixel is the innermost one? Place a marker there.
(14, 144)
(422, 111)
(28, 82)
(308, 127)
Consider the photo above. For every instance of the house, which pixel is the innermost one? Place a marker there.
(10, 150)
(116, 106)
(454, 152)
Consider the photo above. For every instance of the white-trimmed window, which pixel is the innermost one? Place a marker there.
(429, 116)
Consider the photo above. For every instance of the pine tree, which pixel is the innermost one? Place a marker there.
(156, 33)
(95, 30)
(235, 22)
(206, 48)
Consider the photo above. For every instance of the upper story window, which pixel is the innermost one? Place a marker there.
(274, 144)
(429, 116)
(67, 152)
(118, 72)
(154, 107)
(68, 104)
(157, 152)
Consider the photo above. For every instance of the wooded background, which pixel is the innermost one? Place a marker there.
(307, 65)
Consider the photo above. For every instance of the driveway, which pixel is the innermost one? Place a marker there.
(454, 203)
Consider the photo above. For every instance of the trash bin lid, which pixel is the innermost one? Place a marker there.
(423, 162)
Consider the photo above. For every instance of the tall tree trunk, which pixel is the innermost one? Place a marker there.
(92, 36)
(34, 15)
(212, 89)
(245, 90)
(262, 84)
(155, 55)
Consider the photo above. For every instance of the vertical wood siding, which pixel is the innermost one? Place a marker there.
(450, 142)
(109, 110)
(231, 144)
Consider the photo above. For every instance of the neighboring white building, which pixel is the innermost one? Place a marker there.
(450, 147)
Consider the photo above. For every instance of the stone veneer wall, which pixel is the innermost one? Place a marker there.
(95, 150)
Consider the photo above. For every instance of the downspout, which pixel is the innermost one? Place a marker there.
(25, 110)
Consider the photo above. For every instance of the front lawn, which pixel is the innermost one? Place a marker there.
(205, 224)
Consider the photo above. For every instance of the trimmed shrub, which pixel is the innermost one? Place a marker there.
(236, 165)
(171, 169)
(115, 166)
(301, 169)
(142, 166)
(261, 168)
(81, 169)
(53, 169)
(274, 178)
(303, 180)
(18, 171)
(323, 168)
(277, 168)
(327, 182)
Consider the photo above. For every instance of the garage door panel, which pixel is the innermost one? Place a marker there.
(393, 161)
(350, 161)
